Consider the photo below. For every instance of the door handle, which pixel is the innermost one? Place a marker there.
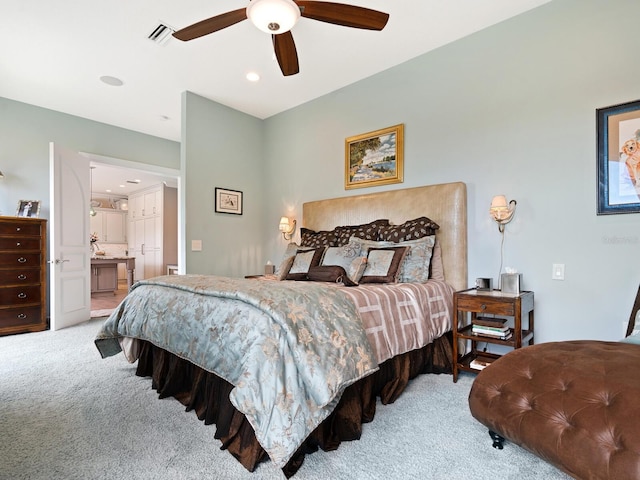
(61, 261)
(142, 249)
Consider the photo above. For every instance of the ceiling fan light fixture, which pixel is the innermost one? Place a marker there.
(273, 16)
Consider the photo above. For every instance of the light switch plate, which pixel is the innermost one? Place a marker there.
(557, 272)
(196, 245)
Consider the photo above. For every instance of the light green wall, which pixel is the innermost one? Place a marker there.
(222, 147)
(25, 133)
(509, 110)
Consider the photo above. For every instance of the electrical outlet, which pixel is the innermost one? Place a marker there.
(557, 271)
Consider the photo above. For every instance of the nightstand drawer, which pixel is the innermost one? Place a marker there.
(494, 306)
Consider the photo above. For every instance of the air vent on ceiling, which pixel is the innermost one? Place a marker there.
(161, 34)
(133, 181)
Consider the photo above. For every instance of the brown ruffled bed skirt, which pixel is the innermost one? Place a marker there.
(208, 395)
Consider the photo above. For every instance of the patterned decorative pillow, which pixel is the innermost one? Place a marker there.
(356, 269)
(367, 231)
(383, 265)
(436, 267)
(415, 266)
(311, 238)
(303, 261)
(290, 252)
(409, 230)
(342, 256)
(284, 268)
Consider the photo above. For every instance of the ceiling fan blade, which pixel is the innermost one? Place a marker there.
(210, 25)
(286, 53)
(341, 14)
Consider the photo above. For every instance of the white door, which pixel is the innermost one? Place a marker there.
(70, 267)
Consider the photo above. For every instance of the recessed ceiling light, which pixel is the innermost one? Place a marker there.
(113, 81)
(108, 190)
(253, 77)
(122, 186)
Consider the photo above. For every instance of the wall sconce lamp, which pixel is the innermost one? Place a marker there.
(287, 227)
(501, 211)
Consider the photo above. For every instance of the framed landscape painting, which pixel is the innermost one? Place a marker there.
(374, 158)
(619, 158)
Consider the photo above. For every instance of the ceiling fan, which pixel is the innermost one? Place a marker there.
(277, 17)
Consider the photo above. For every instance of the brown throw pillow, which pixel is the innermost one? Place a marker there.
(311, 238)
(409, 230)
(330, 273)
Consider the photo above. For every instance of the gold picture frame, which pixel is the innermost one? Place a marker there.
(374, 158)
(28, 209)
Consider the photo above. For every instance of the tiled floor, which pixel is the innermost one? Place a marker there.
(103, 303)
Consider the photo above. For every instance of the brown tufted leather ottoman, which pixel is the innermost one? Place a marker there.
(575, 404)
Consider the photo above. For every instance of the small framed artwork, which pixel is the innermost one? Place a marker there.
(374, 158)
(228, 201)
(619, 158)
(28, 208)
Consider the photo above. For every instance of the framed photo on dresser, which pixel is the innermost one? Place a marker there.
(28, 208)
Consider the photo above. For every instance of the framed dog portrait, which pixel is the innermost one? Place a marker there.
(228, 201)
(374, 158)
(619, 158)
(28, 208)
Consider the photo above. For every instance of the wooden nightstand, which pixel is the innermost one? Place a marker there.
(469, 304)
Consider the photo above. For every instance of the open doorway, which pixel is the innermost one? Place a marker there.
(116, 187)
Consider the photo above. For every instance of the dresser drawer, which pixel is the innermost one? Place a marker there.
(20, 228)
(20, 243)
(20, 316)
(20, 276)
(19, 259)
(494, 306)
(20, 295)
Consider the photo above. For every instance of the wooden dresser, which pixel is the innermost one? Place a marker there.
(23, 257)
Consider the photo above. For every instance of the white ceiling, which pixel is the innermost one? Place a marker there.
(111, 181)
(55, 52)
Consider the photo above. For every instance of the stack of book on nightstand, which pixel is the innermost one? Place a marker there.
(491, 327)
(479, 364)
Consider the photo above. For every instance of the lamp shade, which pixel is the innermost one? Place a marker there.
(273, 16)
(502, 211)
(499, 201)
(284, 224)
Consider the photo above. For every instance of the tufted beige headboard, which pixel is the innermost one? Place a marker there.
(445, 204)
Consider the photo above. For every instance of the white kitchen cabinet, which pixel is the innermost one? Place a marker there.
(110, 225)
(153, 230)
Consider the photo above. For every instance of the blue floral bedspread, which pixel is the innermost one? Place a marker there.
(289, 348)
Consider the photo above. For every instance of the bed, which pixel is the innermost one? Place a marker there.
(297, 365)
(573, 403)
